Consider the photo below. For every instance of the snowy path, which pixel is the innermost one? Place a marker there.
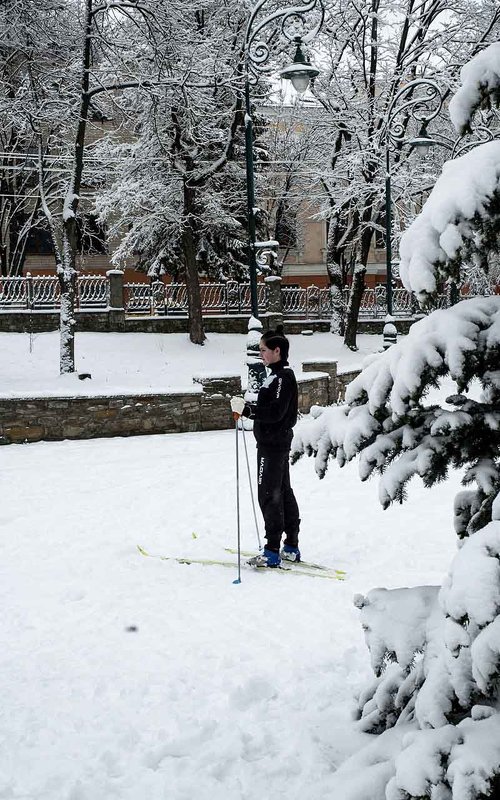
(223, 691)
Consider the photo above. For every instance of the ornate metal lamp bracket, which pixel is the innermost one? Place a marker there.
(424, 102)
(261, 31)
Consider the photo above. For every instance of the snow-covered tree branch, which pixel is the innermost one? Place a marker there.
(178, 200)
(373, 50)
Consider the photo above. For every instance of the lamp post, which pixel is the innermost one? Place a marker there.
(420, 100)
(261, 32)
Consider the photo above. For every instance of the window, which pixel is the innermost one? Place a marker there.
(39, 243)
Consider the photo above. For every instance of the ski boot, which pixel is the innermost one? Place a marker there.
(265, 559)
(290, 553)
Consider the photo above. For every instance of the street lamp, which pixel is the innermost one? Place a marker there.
(421, 100)
(261, 31)
(422, 143)
(300, 72)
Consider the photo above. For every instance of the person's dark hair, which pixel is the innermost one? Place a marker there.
(277, 338)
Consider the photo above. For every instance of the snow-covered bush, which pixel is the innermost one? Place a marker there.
(435, 651)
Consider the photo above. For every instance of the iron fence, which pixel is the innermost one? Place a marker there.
(92, 291)
(315, 303)
(161, 299)
(171, 299)
(309, 302)
(43, 292)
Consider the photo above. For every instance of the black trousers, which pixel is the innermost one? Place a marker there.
(276, 499)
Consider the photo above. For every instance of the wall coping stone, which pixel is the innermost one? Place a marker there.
(351, 371)
(320, 360)
(53, 396)
(303, 377)
(215, 376)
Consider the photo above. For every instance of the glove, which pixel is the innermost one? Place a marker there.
(237, 405)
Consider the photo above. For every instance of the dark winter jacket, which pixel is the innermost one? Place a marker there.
(275, 412)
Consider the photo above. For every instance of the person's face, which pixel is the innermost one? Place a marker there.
(269, 356)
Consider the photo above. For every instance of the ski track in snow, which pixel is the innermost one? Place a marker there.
(222, 691)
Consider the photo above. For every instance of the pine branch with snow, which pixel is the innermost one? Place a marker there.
(480, 87)
(460, 222)
(389, 422)
(435, 653)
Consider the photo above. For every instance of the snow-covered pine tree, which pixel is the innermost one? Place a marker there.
(436, 651)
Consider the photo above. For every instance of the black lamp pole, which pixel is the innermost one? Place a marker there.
(260, 32)
(422, 100)
(250, 177)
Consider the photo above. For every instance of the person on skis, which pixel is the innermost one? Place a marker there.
(274, 415)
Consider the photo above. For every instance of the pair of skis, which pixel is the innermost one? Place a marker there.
(304, 568)
(291, 567)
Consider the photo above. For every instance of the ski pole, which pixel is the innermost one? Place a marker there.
(236, 418)
(251, 488)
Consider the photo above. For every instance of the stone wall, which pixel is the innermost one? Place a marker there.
(343, 379)
(205, 407)
(313, 391)
(54, 418)
(116, 321)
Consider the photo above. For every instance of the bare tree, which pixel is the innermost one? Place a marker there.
(180, 189)
(18, 184)
(374, 49)
(72, 59)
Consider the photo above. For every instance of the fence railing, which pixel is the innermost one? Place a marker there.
(309, 302)
(313, 302)
(374, 302)
(171, 299)
(43, 293)
(161, 299)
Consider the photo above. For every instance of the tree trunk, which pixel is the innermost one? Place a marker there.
(196, 331)
(355, 297)
(67, 281)
(336, 277)
(358, 279)
(66, 270)
(337, 320)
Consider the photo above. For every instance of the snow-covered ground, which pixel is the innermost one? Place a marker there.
(146, 361)
(134, 678)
